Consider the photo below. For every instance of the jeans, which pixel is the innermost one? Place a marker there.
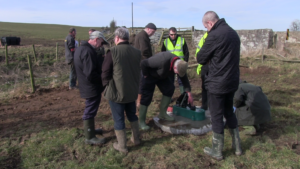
(117, 110)
(73, 76)
(91, 107)
(219, 106)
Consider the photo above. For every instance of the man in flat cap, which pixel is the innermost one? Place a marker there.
(156, 72)
(88, 68)
(142, 42)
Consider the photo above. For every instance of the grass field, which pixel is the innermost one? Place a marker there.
(35, 138)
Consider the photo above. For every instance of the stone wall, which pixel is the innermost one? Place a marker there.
(251, 40)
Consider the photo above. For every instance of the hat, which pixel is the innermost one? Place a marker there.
(151, 26)
(97, 34)
(182, 67)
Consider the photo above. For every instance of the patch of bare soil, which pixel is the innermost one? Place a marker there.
(47, 109)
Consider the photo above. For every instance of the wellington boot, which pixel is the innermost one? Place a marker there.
(236, 141)
(142, 117)
(181, 88)
(217, 146)
(135, 136)
(249, 130)
(165, 101)
(89, 130)
(121, 144)
(99, 131)
(138, 100)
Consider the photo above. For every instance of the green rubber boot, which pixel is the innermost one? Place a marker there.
(89, 130)
(181, 88)
(249, 130)
(135, 136)
(236, 141)
(217, 146)
(165, 101)
(121, 144)
(142, 117)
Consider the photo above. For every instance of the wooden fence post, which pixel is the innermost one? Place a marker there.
(31, 74)
(6, 55)
(34, 53)
(262, 57)
(56, 51)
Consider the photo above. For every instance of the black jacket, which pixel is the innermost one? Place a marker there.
(221, 51)
(185, 48)
(69, 48)
(142, 43)
(88, 69)
(160, 66)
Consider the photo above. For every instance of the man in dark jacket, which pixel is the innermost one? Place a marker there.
(142, 42)
(69, 53)
(177, 45)
(156, 71)
(221, 51)
(121, 76)
(88, 68)
(252, 107)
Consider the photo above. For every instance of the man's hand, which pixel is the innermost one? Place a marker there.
(190, 100)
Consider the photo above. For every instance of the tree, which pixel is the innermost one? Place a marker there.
(295, 25)
(113, 25)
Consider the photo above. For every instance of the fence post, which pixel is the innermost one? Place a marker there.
(31, 74)
(262, 57)
(56, 51)
(6, 55)
(33, 49)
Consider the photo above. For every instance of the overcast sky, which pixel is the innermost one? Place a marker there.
(239, 14)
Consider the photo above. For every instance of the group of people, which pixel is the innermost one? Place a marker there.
(127, 76)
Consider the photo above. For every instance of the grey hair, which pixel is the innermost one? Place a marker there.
(210, 16)
(122, 33)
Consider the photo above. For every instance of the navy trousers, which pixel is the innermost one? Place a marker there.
(91, 107)
(118, 109)
(73, 76)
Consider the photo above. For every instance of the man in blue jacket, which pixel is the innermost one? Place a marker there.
(221, 51)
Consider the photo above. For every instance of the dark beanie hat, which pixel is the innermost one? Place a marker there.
(151, 26)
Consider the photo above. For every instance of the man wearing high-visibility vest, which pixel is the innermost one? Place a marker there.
(176, 44)
(203, 69)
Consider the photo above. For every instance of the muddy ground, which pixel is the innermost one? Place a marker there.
(63, 108)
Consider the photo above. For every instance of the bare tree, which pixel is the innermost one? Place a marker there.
(295, 25)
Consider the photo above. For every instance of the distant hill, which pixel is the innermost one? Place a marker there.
(41, 33)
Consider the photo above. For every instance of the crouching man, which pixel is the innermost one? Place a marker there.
(121, 75)
(252, 107)
(156, 71)
(88, 68)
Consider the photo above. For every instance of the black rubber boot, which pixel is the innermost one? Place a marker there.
(89, 130)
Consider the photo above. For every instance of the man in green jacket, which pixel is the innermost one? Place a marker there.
(252, 107)
(121, 75)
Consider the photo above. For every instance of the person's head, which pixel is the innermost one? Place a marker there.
(150, 29)
(72, 32)
(209, 19)
(173, 33)
(121, 35)
(180, 67)
(91, 30)
(97, 39)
